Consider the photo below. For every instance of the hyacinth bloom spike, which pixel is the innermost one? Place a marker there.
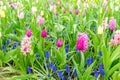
(3, 47)
(54, 69)
(100, 67)
(12, 5)
(26, 45)
(21, 15)
(59, 42)
(60, 74)
(68, 78)
(116, 40)
(29, 70)
(40, 20)
(34, 10)
(112, 24)
(96, 73)
(100, 30)
(100, 53)
(29, 33)
(67, 69)
(47, 55)
(48, 75)
(67, 48)
(71, 9)
(44, 33)
(7, 41)
(63, 78)
(75, 72)
(89, 61)
(101, 70)
(51, 65)
(64, 11)
(37, 55)
(82, 43)
(60, 6)
(76, 11)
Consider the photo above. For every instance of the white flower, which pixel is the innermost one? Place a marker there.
(34, 10)
(100, 30)
(116, 8)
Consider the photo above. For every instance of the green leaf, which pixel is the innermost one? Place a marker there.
(86, 74)
(115, 54)
(113, 69)
(23, 77)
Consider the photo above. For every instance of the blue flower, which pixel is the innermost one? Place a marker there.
(96, 73)
(63, 78)
(68, 78)
(7, 41)
(15, 44)
(37, 55)
(29, 70)
(102, 72)
(67, 48)
(13, 47)
(100, 53)
(48, 75)
(60, 74)
(47, 55)
(89, 61)
(100, 67)
(54, 69)
(3, 47)
(76, 50)
(67, 69)
(51, 65)
(75, 72)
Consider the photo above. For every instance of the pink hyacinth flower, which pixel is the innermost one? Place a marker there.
(59, 42)
(116, 40)
(21, 15)
(112, 24)
(60, 6)
(71, 9)
(12, 5)
(40, 20)
(52, 7)
(44, 33)
(29, 33)
(82, 43)
(64, 11)
(76, 11)
(26, 45)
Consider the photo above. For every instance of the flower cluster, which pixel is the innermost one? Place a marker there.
(26, 45)
(82, 42)
(112, 24)
(116, 40)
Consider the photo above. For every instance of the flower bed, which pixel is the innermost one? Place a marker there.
(59, 39)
